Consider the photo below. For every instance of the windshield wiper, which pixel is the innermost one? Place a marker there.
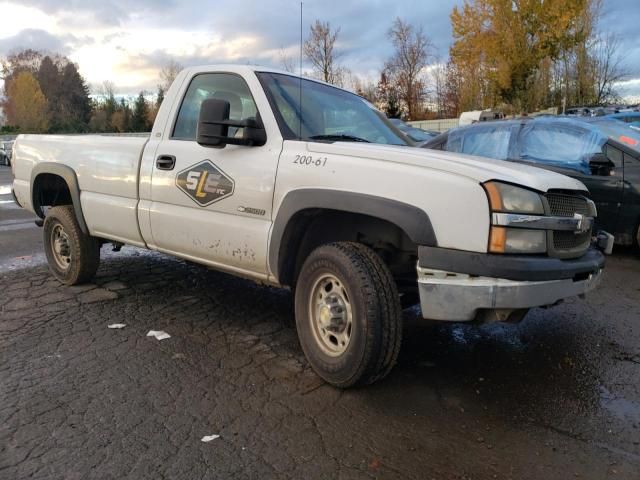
(338, 137)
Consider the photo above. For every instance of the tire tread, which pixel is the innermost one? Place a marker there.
(382, 310)
(86, 247)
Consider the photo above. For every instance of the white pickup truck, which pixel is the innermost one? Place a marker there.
(295, 183)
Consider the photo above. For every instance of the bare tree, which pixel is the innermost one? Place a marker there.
(609, 68)
(439, 79)
(287, 61)
(168, 74)
(412, 52)
(106, 89)
(320, 51)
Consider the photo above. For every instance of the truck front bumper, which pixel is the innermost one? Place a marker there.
(456, 285)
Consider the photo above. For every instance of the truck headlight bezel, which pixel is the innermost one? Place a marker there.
(512, 199)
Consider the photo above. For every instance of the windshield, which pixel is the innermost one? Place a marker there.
(417, 135)
(328, 113)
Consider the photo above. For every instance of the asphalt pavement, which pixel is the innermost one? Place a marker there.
(554, 397)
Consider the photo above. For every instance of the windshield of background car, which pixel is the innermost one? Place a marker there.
(417, 135)
(308, 110)
(484, 141)
(561, 143)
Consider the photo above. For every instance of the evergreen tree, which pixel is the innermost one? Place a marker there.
(160, 97)
(139, 122)
(121, 118)
(388, 98)
(76, 105)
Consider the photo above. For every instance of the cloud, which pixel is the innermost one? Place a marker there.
(106, 12)
(128, 41)
(42, 40)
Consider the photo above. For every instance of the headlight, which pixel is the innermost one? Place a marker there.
(509, 198)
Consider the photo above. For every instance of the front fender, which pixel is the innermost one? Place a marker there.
(412, 220)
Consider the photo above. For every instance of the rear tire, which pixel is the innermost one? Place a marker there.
(348, 314)
(72, 255)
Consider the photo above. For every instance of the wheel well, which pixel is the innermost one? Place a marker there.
(50, 190)
(311, 228)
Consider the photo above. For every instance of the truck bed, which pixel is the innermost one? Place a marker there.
(107, 169)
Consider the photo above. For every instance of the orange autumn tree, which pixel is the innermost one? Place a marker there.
(28, 105)
(499, 46)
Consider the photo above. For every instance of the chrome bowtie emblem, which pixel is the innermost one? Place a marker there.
(583, 224)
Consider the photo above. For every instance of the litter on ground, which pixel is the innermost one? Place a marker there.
(159, 334)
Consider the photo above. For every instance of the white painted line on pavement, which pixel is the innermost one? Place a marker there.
(16, 221)
(19, 226)
(5, 189)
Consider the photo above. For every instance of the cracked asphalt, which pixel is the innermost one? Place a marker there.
(555, 397)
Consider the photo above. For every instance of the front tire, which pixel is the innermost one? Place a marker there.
(348, 314)
(72, 255)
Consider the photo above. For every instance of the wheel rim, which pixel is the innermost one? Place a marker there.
(331, 315)
(61, 247)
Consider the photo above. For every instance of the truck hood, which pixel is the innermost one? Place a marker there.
(480, 169)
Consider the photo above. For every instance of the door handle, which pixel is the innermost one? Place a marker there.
(165, 162)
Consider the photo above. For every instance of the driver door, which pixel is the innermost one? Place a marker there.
(213, 205)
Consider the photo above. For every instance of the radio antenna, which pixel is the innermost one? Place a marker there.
(300, 81)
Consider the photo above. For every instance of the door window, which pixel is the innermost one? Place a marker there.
(223, 86)
(614, 156)
(630, 161)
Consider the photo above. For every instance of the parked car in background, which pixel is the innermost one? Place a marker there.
(601, 153)
(587, 112)
(630, 118)
(415, 134)
(6, 147)
(475, 116)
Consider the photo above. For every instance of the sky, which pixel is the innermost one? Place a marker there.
(128, 41)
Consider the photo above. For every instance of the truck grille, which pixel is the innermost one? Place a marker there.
(567, 205)
(567, 241)
(568, 244)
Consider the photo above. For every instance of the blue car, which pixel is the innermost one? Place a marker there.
(630, 118)
(602, 153)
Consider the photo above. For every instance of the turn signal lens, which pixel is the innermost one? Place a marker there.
(495, 199)
(509, 198)
(498, 239)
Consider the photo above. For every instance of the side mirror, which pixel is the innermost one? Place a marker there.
(601, 166)
(214, 123)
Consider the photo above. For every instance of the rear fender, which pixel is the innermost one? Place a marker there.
(70, 178)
